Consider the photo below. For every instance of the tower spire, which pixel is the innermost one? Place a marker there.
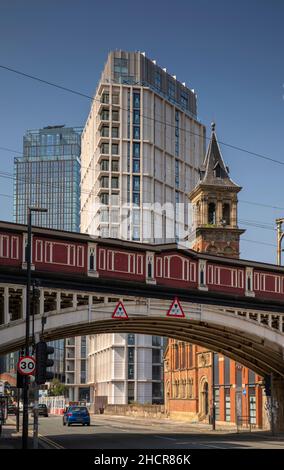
(214, 200)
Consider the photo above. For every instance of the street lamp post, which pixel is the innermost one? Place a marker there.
(27, 340)
(213, 394)
(280, 236)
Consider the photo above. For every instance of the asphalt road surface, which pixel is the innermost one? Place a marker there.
(114, 432)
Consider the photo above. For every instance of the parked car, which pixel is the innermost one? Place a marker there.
(42, 410)
(76, 415)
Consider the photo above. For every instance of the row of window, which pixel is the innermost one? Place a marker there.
(105, 165)
(105, 114)
(114, 98)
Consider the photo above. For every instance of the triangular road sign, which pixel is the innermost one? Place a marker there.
(120, 312)
(176, 309)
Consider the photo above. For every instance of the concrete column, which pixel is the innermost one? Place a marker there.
(219, 211)
(234, 214)
(277, 391)
(6, 305)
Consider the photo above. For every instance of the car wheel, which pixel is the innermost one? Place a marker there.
(64, 424)
(69, 424)
(88, 424)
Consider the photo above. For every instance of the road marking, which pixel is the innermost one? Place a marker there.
(50, 442)
(167, 438)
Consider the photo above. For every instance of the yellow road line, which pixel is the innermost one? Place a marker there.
(50, 442)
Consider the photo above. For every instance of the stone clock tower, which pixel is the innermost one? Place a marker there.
(215, 202)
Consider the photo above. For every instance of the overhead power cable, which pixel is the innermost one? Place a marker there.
(84, 95)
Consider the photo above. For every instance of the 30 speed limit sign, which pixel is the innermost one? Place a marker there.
(26, 365)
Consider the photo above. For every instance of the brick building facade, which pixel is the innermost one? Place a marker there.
(238, 394)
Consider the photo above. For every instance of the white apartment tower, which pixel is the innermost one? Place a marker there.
(142, 146)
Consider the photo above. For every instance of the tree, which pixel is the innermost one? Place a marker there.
(57, 388)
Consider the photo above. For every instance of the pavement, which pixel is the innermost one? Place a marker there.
(125, 432)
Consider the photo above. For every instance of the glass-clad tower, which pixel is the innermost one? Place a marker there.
(48, 175)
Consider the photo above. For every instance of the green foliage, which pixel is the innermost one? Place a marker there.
(57, 388)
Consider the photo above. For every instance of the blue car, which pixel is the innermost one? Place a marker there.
(76, 415)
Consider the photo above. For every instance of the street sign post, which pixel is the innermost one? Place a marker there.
(26, 365)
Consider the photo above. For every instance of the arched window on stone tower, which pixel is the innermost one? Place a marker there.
(226, 214)
(212, 213)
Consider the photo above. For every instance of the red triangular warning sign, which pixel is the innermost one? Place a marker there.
(175, 309)
(120, 312)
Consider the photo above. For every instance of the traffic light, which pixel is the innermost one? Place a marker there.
(267, 385)
(42, 362)
(20, 380)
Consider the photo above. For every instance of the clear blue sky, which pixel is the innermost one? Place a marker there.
(230, 52)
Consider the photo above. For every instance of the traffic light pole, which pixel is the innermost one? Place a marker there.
(26, 378)
(27, 340)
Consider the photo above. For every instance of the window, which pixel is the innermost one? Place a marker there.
(105, 115)
(104, 181)
(136, 183)
(105, 98)
(136, 100)
(158, 79)
(130, 392)
(176, 356)
(171, 89)
(114, 182)
(115, 115)
(136, 166)
(190, 356)
(216, 368)
(115, 98)
(226, 214)
(105, 148)
(136, 199)
(114, 149)
(131, 339)
(251, 377)
(104, 165)
(156, 356)
(227, 371)
(121, 66)
(136, 233)
(156, 373)
(156, 341)
(136, 132)
(136, 117)
(104, 198)
(115, 132)
(115, 165)
(212, 213)
(136, 217)
(131, 354)
(184, 99)
(104, 215)
(105, 131)
(136, 150)
(227, 405)
(131, 371)
(114, 215)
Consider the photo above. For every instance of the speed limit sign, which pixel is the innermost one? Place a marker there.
(26, 365)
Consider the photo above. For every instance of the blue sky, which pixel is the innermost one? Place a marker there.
(229, 52)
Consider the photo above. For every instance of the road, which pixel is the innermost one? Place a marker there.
(113, 432)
